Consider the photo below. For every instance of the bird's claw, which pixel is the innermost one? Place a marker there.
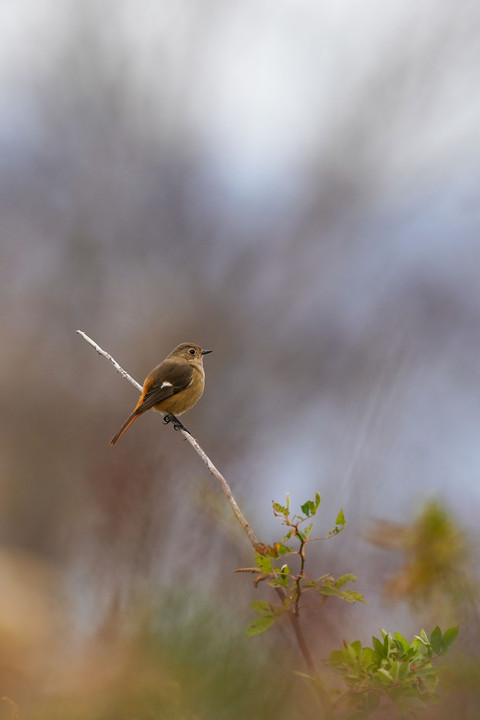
(177, 425)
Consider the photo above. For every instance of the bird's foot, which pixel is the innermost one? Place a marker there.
(177, 425)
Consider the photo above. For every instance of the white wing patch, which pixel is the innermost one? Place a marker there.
(165, 383)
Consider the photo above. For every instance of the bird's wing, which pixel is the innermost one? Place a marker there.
(175, 378)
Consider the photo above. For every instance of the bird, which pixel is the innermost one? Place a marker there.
(172, 388)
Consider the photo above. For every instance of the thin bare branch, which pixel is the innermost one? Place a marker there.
(211, 467)
(226, 489)
(108, 357)
(294, 619)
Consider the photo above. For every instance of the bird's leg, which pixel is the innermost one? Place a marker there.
(176, 422)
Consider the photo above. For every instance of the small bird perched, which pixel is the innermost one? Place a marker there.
(173, 387)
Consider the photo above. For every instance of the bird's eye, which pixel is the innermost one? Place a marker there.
(191, 351)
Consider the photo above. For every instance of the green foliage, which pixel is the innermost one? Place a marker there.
(293, 584)
(391, 672)
(435, 572)
(266, 619)
(311, 506)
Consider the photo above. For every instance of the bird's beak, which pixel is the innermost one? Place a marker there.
(205, 352)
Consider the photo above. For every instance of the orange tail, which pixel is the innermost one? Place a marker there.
(125, 427)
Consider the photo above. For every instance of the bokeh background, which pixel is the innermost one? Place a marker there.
(295, 185)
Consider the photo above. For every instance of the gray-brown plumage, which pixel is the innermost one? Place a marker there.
(173, 387)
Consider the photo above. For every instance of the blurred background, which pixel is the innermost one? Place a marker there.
(294, 185)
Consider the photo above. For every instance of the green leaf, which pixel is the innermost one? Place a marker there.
(436, 640)
(384, 676)
(262, 607)
(260, 625)
(327, 585)
(367, 657)
(354, 649)
(264, 563)
(423, 637)
(337, 657)
(448, 637)
(281, 549)
(351, 596)
(378, 646)
(325, 589)
(317, 500)
(344, 579)
(308, 508)
(340, 518)
(402, 644)
(281, 578)
(388, 643)
(279, 509)
(279, 581)
(308, 530)
(394, 670)
(404, 671)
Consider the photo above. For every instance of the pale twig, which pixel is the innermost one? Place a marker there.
(108, 357)
(204, 457)
(294, 619)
